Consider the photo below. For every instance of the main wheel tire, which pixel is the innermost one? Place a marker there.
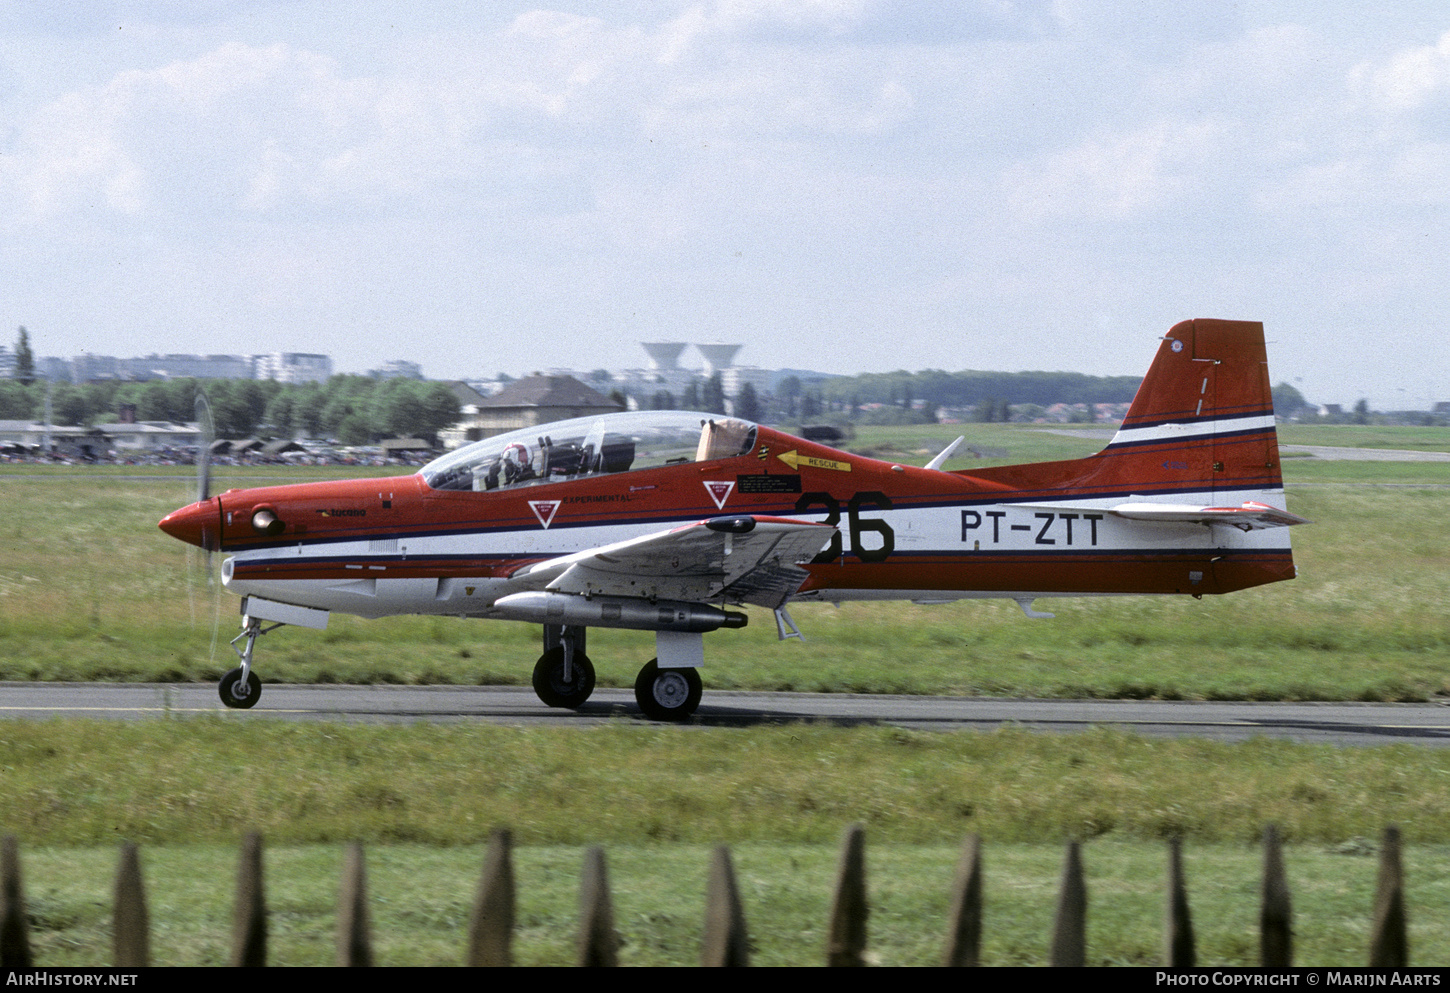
(554, 689)
(239, 695)
(667, 694)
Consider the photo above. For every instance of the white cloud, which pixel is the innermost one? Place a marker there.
(237, 128)
(1410, 78)
(1124, 177)
(245, 128)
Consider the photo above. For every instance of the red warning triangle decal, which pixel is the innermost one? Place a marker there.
(544, 510)
(719, 492)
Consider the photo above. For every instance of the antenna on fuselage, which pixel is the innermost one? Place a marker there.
(945, 453)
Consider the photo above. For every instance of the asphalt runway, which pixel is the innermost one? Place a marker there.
(1324, 723)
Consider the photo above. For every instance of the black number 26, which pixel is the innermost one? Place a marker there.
(871, 499)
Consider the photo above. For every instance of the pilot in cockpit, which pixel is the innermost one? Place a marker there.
(514, 465)
(517, 466)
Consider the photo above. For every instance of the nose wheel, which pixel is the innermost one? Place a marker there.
(239, 691)
(667, 694)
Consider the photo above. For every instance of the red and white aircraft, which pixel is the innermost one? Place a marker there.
(659, 521)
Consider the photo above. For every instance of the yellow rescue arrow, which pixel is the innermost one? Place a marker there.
(795, 460)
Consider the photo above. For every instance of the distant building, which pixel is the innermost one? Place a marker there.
(294, 367)
(7, 363)
(188, 367)
(152, 435)
(521, 404)
(397, 369)
(53, 368)
(88, 368)
(665, 375)
(737, 376)
(88, 442)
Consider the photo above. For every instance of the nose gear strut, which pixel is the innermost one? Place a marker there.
(240, 688)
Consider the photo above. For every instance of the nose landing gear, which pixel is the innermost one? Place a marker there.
(240, 689)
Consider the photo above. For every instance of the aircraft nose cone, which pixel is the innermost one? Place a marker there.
(196, 524)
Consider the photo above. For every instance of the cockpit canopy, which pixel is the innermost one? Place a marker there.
(586, 446)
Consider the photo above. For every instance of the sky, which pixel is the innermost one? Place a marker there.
(840, 185)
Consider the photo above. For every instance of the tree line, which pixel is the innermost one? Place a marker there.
(970, 388)
(356, 410)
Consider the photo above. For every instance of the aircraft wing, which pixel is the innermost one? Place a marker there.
(744, 559)
(1249, 516)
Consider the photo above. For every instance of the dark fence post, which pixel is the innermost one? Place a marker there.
(131, 933)
(1389, 945)
(1276, 935)
(1178, 950)
(249, 919)
(491, 928)
(598, 945)
(354, 933)
(726, 941)
(964, 939)
(14, 937)
(1069, 926)
(846, 943)
(726, 938)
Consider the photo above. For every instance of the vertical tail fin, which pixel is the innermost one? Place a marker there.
(1191, 480)
(1203, 418)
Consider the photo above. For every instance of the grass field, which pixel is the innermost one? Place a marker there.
(1034, 443)
(423, 798)
(171, 782)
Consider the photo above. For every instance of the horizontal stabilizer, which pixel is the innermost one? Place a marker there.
(1250, 516)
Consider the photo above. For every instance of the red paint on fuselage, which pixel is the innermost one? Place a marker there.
(196, 524)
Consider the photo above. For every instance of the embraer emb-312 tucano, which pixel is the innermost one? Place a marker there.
(661, 521)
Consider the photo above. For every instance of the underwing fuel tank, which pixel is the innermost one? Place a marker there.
(614, 612)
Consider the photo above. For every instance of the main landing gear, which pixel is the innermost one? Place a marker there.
(564, 676)
(667, 694)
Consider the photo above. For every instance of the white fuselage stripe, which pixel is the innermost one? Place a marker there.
(1189, 430)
